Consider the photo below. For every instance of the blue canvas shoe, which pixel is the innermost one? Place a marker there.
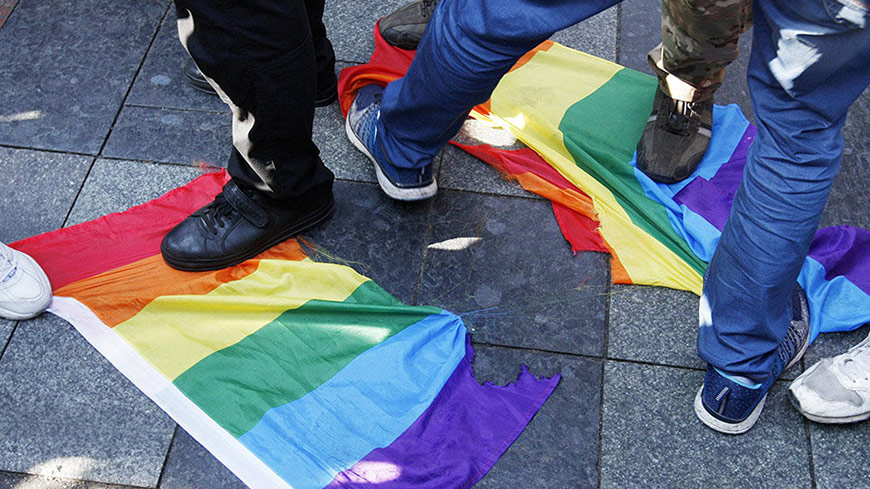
(362, 127)
(732, 407)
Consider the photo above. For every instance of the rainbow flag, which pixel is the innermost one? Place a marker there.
(581, 118)
(293, 373)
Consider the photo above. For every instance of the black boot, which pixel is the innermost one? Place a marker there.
(404, 28)
(240, 224)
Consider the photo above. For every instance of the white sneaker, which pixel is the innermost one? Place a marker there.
(836, 390)
(24, 289)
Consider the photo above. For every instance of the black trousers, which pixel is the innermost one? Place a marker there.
(266, 59)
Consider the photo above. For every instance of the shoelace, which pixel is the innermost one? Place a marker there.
(790, 345)
(855, 364)
(680, 116)
(367, 131)
(7, 266)
(214, 215)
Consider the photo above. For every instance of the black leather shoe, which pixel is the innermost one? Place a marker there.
(195, 78)
(239, 224)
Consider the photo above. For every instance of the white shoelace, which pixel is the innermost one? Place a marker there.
(855, 363)
(7, 265)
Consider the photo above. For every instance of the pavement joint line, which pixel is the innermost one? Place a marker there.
(46, 150)
(535, 350)
(531, 197)
(135, 75)
(810, 456)
(166, 456)
(106, 485)
(117, 113)
(181, 109)
(426, 237)
(605, 348)
(8, 340)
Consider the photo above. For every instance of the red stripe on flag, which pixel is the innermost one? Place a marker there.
(118, 239)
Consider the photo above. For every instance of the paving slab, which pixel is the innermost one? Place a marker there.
(66, 412)
(595, 35)
(190, 465)
(171, 136)
(37, 190)
(461, 171)
(654, 325)
(67, 67)
(350, 26)
(6, 327)
(117, 185)
(652, 438)
(336, 151)
(379, 237)
(840, 454)
(559, 448)
(160, 82)
(657, 325)
(24, 481)
(849, 202)
(640, 31)
(502, 264)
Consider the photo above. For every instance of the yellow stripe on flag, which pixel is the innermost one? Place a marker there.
(531, 102)
(175, 332)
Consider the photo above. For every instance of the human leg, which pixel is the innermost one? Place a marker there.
(260, 57)
(806, 69)
(466, 49)
(699, 39)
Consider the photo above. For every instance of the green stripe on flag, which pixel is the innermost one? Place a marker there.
(604, 150)
(293, 355)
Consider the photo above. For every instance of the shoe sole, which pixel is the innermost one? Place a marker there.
(314, 219)
(826, 419)
(745, 425)
(398, 193)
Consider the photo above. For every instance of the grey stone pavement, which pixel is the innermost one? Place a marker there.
(95, 117)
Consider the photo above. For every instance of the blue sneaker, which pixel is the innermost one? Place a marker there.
(732, 407)
(362, 130)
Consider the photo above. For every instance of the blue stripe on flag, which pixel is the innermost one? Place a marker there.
(836, 304)
(308, 441)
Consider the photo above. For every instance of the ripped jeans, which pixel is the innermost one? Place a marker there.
(810, 60)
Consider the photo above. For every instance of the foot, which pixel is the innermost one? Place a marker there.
(361, 126)
(196, 79)
(675, 138)
(836, 390)
(732, 407)
(24, 289)
(239, 224)
(404, 27)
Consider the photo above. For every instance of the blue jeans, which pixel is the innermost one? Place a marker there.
(810, 60)
(466, 49)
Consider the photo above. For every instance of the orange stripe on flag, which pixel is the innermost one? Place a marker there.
(119, 294)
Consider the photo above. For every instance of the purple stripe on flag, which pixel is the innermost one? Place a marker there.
(844, 251)
(457, 439)
(712, 199)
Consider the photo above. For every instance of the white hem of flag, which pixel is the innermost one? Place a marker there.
(227, 449)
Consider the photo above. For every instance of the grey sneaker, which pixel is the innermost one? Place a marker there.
(404, 27)
(835, 390)
(675, 138)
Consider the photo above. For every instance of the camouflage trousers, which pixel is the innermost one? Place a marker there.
(699, 39)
